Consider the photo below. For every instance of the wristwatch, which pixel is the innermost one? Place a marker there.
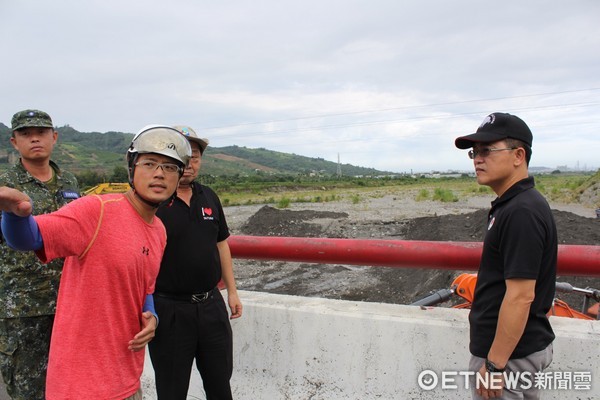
(491, 367)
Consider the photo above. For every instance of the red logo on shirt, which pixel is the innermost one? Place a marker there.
(206, 211)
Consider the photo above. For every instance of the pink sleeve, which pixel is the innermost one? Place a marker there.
(70, 230)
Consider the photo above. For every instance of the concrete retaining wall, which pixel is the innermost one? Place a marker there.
(288, 347)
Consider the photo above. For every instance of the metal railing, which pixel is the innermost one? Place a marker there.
(465, 256)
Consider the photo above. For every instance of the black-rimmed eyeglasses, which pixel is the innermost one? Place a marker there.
(153, 166)
(486, 151)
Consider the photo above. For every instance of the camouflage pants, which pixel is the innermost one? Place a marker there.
(24, 346)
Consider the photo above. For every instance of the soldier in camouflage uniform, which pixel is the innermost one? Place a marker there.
(28, 289)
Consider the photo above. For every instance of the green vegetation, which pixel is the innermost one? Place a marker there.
(444, 195)
(101, 152)
(258, 176)
(423, 195)
(563, 187)
(284, 202)
(94, 156)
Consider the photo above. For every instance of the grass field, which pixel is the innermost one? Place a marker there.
(562, 187)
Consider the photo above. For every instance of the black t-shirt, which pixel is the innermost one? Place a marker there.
(191, 262)
(520, 242)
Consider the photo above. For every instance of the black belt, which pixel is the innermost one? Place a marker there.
(188, 298)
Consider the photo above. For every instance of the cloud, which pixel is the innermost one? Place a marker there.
(385, 84)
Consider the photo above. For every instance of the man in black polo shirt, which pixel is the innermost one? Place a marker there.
(194, 323)
(510, 332)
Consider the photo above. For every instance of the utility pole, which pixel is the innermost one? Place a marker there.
(339, 167)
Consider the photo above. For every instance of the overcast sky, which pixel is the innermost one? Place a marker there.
(382, 84)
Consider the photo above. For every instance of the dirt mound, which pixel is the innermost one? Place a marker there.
(269, 221)
(572, 228)
(378, 284)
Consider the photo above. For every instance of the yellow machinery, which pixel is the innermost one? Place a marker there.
(103, 188)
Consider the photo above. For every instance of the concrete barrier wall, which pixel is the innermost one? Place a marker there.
(289, 347)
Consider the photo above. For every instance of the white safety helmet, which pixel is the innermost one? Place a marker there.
(160, 139)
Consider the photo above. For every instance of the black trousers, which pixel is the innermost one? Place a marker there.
(187, 332)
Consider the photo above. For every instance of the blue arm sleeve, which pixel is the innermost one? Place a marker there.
(21, 233)
(149, 306)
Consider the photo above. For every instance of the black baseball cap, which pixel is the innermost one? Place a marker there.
(495, 127)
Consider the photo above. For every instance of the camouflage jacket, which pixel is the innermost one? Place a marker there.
(27, 287)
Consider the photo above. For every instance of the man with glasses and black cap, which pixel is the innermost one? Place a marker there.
(28, 288)
(510, 332)
(112, 245)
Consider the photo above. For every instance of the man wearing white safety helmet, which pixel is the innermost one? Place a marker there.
(113, 245)
(160, 142)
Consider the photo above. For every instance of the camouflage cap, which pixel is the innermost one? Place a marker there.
(31, 118)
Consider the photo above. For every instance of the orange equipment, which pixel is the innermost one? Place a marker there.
(562, 309)
(464, 286)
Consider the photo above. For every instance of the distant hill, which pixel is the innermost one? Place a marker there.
(102, 152)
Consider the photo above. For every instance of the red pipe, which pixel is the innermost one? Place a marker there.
(572, 259)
